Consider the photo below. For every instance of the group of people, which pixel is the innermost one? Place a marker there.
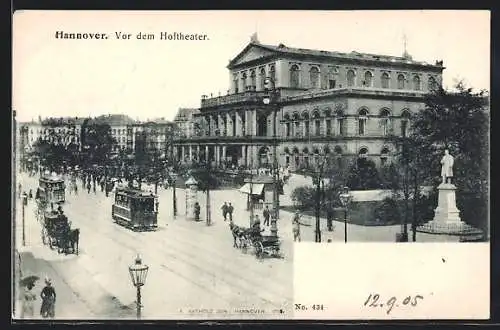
(227, 210)
(48, 296)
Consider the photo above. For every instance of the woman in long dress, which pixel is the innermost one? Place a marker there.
(28, 307)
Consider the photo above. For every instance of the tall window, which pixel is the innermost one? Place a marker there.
(350, 78)
(385, 80)
(401, 81)
(262, 78)
(287, 129)
(405, 123)
(253, 79)
(432, 83)
(236, 84)
(294, 76)
(341, 123)
(368, 79)
(416, 83)
(314, 75)
(384, 122)
(328, 127)
(331, 84)
(244, 81)
(272, 73)
(363, 116)
(306, 128)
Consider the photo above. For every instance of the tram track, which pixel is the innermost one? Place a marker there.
(173, 256)
(216, 257)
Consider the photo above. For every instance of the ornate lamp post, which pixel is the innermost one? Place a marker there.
(319, 180)
(25, 202)
(138, 273)
(345, 199)
(271, 100)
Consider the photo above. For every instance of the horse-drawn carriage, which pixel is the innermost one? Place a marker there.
(252, 237)
(57, 233)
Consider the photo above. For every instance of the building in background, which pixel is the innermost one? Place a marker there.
(150, 137)
(345, 104)
(185, 123)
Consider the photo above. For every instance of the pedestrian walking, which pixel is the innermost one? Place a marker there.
(28, 302)
(329, 218)
(296, 226)
(197, 211)
(48, 296)
(88, 187)
(224, 210)
(266, 215)
(230, 210)
(30, 195)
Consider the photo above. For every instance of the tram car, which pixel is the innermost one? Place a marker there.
(135, 209)
(51, 189)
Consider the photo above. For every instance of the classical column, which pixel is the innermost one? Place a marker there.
(247, 120)
(207, 153)
(198, 152)
(183, 152)
(191, 152)
(230, 123)
(223, 153)
(217, 155)
(254, 122)
(237, 122)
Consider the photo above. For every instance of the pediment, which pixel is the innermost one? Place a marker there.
(250, 53)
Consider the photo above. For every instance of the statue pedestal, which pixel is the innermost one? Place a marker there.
(447, 211)
(447, 216)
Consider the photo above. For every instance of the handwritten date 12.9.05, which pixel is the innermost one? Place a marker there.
(374, 300)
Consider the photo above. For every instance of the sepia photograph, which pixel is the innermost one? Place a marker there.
(176, 164)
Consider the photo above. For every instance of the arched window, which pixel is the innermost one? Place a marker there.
(363, 152)
(401, 81)
(385, 80)
(317, 123)
(368, 79)
(287, 124)
(350, 78)
(363, 116)
(384, 122)
(305, 116)
(244, 81)
(384, 155)
(416, 83)
(314, 75)
(432, 83)
(262, 78)
(272, 73)
(296, 125)
(405, 123)
(294, 76)
(253, 79)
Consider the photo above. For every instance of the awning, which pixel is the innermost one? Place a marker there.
(256, 188)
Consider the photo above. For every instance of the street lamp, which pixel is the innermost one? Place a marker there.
(138, 273)
(345, 199)
(25, 202)
(319, 180)
(271, 100)
(174, 187)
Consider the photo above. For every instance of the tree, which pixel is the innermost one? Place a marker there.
(456, 120)
(363, 175)
(97, 140)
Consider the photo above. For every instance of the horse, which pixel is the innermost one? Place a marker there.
(238, 233)
(74, 239)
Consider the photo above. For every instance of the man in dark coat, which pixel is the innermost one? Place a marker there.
(230, 210)
(48, 296)
(224, 209)
(266, 215)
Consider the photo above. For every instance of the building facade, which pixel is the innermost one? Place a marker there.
(152, 137)
(185, 123)
(320, 103)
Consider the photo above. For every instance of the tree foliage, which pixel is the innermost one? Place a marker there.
(363, 175)
(97, 140)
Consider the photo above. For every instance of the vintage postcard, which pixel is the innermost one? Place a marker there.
(255, 165)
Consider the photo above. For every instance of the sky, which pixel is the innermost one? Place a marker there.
(154, 78)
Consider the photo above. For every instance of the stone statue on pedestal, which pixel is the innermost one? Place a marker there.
(447, 167)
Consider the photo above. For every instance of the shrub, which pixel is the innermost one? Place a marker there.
(304, 197)
(387, 212)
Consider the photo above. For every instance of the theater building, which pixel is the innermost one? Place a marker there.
(322, 103)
